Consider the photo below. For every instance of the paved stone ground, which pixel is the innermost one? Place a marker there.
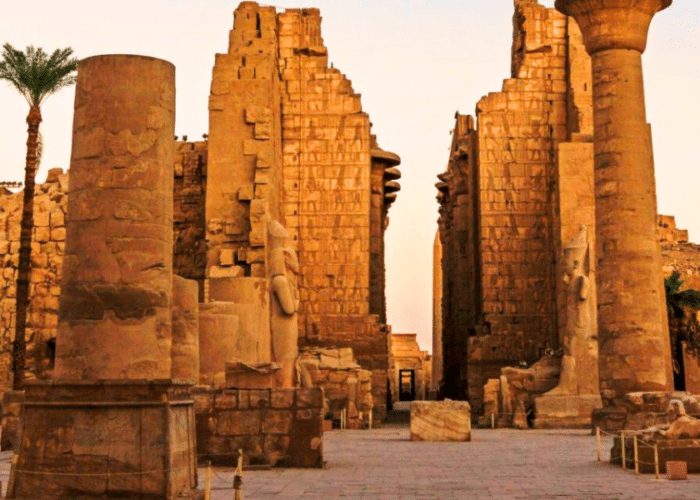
(497, 465)
(501, 464)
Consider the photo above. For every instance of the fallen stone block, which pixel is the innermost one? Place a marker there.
(441, 421)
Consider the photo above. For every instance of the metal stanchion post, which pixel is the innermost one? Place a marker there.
(598, 447)
(624, 458)
(207, 482)
(493, 421)
(13, 472)
(656, 460)
(636, 456)
(370, 418)
(238, 478)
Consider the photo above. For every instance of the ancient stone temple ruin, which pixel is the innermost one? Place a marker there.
(278, 218)
(117, 349)
(523, 178)
(517, 189)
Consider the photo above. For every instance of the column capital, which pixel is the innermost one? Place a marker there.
(613, 24)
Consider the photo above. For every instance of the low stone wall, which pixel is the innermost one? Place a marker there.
(686, 450)
(345, 384)
(641, 410)
(276, 427)
(45, 280)
(11, 409)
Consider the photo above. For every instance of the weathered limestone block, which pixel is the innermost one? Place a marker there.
(115, 311)
(640, 410)
(249, 299)
(677, 440)
(88, 428)
(276, 427)
(115, 317)
(11, 409)
(346, 386)
(441, 421)
(218, 331)
(185, 346)
(519, 388)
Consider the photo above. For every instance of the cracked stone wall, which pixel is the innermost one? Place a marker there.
(519, 183)
(289, 140)
(327, 188)
(50, 204)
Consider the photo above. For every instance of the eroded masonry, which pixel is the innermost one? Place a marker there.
(278, 222)
(545, 227)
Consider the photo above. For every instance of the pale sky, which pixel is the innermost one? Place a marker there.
(415, 62)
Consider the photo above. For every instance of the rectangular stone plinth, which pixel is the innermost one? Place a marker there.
(121, 439)
(565, 412)
(275, 427)
(11, 407)
(441, 421)
(670, 450)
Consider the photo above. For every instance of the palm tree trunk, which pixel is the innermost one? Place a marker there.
(19, 347)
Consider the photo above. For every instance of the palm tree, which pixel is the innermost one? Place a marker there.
(681, 330)
(36, 75)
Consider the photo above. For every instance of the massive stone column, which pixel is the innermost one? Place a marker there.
(115, 315)
(112, 424)
(634, 342)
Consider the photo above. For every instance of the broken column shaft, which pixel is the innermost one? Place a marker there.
(115, 313)
(112, 424)
(633, 331)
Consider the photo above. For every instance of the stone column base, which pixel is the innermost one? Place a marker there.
(565, 412)
(116, 439)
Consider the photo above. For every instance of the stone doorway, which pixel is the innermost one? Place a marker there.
(407, 385)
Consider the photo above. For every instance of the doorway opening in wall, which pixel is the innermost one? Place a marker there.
(407, 385)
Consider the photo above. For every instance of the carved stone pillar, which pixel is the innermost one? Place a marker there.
(634, 343)
(113, 423)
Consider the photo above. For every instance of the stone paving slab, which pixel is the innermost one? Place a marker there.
(499, 464)
(502, 464)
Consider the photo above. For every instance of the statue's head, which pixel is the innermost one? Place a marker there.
(676, 409)
(282, 248)
(575, 253)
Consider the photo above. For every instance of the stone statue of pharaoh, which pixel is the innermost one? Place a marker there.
(680, 426)
(284, 268)
(577, 370)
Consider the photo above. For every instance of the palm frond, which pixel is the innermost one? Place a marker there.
(36, 74)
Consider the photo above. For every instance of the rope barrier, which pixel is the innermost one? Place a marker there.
(96, 474)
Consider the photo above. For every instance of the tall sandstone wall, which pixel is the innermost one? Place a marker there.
(327, 186)
(531, 171)
(48, 245)
(288, 139)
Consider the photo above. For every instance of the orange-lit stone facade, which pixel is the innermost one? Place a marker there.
(288, 143)
(518, 185)
(526, 174)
